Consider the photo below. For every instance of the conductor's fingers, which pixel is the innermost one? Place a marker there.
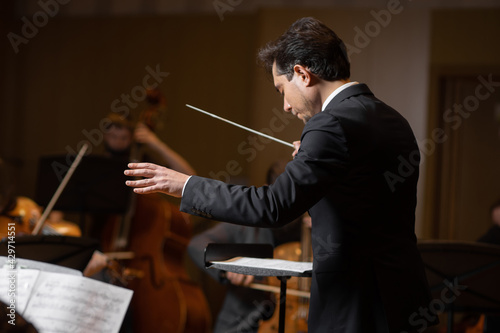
(139, 183)
(143, 165)
(140, 173)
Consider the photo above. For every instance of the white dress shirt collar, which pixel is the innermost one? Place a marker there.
(336, 92)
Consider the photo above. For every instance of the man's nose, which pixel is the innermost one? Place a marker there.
(286, 106)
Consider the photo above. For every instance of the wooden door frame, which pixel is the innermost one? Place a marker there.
(437, 217)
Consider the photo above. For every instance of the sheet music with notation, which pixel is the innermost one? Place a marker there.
(25, 279)
(67, 303)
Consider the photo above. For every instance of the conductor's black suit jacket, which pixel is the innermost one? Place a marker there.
(356, 173)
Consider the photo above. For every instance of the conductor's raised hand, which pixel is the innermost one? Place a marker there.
(156, 179)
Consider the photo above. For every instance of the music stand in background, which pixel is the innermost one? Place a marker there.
(456, 263)
(66, 251)
(97, 185)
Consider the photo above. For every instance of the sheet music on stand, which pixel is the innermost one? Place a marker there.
(62, 302)
(256, 259)
(264, 267)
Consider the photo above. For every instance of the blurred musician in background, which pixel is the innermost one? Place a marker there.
(492, 236)
(123, 139)
(121, 134)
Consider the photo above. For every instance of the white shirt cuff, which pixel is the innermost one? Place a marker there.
(185, 185)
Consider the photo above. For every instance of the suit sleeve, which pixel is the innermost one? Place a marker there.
(321, 162)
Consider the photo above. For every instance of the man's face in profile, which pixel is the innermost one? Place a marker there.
(295, 94)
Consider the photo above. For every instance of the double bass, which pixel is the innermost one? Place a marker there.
(157, 234)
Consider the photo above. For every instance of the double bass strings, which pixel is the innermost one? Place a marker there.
(241, 126)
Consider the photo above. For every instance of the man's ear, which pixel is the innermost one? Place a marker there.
(304, 74)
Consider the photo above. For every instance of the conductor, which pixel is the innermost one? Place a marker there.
(368, 275)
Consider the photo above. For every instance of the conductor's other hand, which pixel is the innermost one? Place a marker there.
(156, 179)
(239, 279)
(296, 144)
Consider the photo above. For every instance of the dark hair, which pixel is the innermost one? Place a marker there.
(119, 122)
(309, 43)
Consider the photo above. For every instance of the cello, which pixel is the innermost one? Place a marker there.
(157, 233)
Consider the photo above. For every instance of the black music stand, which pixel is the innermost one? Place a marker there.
(97, 185)
(470, 264)
(220, 252)
(66, 251)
